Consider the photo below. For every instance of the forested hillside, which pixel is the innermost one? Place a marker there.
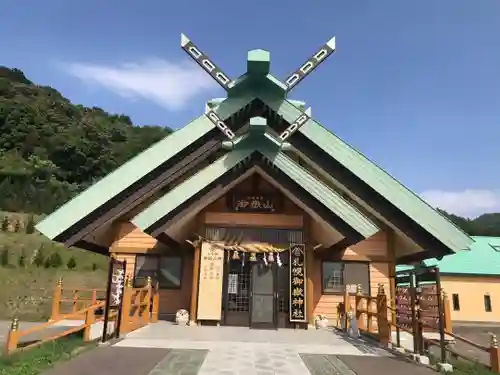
(50, 149)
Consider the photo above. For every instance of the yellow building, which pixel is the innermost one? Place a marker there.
(471, 278)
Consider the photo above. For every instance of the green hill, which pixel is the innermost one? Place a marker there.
(50, 149)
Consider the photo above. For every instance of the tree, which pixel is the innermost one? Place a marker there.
(54, 260)
(51, 149)
(71, 263)
(38, 258)
(30, 225)
(17, 226)
(5, 257)
(21, 261)
(5, 224)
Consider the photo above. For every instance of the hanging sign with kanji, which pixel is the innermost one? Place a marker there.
(254, 203)
(298, 283)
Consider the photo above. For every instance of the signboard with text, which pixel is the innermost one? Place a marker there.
(210, 283)
(298, 283)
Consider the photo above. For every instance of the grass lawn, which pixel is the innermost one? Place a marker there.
(37, 360)
(469, 368)
(28, 293)
(26, 290)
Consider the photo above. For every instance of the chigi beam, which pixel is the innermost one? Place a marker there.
(311, 64)
(294, 126)
(205, 62)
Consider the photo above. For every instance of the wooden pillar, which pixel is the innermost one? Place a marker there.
(126, 306)
(12, 337)
(195, 283)
(56, 300)
(494, 355)
(446, 312)
(309, 270)
(384, 329)
(391, 255)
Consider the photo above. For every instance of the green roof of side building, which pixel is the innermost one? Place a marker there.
(482, 259)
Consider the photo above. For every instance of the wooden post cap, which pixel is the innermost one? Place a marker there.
(359, 289)
(381, 290)
(59, 281)
(128, 281)
(149, 281)
(493, 341)
(14, 325)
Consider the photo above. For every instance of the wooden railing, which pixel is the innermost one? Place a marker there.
(68, 300)
(371, 313)
(15, 335)
(375, 317)
(140, 306)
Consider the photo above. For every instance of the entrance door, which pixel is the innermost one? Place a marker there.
(263, 296)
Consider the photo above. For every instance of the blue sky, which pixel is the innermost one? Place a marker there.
(413, 85)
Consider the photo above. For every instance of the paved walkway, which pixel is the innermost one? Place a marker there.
(163, 349)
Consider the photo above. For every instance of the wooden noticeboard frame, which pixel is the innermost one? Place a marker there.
(210, 282)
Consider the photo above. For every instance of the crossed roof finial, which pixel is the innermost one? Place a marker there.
(227, 83)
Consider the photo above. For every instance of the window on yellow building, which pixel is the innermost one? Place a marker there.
(487, 303)
(456, 302)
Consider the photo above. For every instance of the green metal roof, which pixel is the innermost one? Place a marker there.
(483, 258)
(180, 194)
(269, 148)
(138, 167)
(379, 180)
(328, 197)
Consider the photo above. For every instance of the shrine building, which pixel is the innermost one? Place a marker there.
(254, 214)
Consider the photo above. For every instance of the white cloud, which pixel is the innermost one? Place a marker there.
(468, 203)
(168, 84)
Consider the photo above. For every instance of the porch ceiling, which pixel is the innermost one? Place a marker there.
(178, 226)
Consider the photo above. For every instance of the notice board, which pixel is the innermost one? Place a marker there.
(210, 283)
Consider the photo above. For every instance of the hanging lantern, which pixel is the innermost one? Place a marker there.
(236, 255)
(270, 257)
(253, 257)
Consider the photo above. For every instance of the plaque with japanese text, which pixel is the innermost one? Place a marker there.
(117, 282)
(298, 283)
(210, 282)
(254, 203)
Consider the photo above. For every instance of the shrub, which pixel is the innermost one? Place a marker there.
(4, 257)
(38, 258)
(30, 225)
(54, 260)
(71, 263)
(5, 224)
(17, 226)
(21, 261)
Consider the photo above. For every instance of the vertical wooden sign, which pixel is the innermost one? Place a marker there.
(298, 283)
(210, 283)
